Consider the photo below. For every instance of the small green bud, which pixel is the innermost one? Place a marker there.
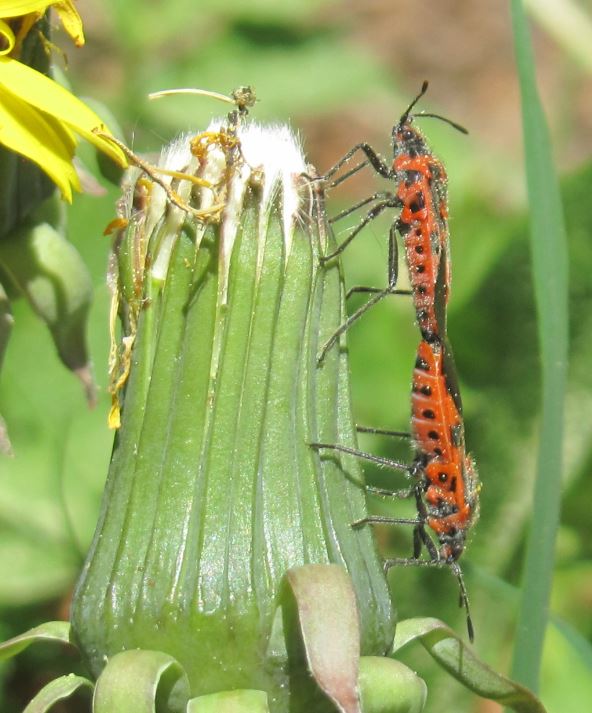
(37, 262)
(388, 686)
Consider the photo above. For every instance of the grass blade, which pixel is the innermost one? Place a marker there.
(549, 256)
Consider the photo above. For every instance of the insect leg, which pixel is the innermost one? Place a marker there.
(383, 519)
(375, 160)
(384, 195)
(392, 202)
(378, 294)
(383, 432)
(379, 460)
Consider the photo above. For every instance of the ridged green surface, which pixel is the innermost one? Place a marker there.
(213, 492)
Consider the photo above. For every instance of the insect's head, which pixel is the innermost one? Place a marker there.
(408, 139)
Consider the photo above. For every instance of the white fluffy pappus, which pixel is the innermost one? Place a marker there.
(270, 157)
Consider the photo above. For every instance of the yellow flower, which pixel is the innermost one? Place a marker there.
(39, 118)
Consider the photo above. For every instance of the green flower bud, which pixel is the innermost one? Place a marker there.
(38, 263)
(213, 491)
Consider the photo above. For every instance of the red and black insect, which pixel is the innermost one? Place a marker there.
(446, 486)
(422, 223)
(451, 490)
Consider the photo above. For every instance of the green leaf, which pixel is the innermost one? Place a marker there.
(57, 690)
(58, 631)
(462, 663)
(388, 686)
(549, 257)
(246, 701)
(141, 681)
(328, 618)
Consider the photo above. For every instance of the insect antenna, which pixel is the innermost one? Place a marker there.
(454, 125)
(407, 112)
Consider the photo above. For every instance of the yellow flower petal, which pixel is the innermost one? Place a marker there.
(65, 136)
(48, 96)
(71, 21)
(7, 38)
(65, 9)
(16, 8)
(25, 130)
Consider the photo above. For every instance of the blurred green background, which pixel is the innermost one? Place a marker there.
(342, 72)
